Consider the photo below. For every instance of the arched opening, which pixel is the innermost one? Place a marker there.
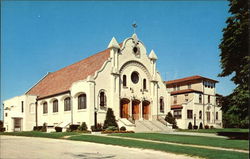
(162, 105)
(55, 106)
(102, 100)
(135, 109)
(146, 109)
(124, 108)
(67, 104)
(144, 83)
(82, 102)
(45, 107)
(200, 114)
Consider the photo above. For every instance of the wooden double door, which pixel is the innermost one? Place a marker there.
(124, 108)
(145, 109)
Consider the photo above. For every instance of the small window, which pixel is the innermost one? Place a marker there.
(189, 86)
(175, 99)
(22, 106)
(217, 116)
(82, 102)
(174, 88)
(124, 81)
(177, 114)
(135, 77)
(208, 99)
(6, 114)
(144, 84)
(55, 106)
(208, 116)
(45, 107)
(200, 98)
(186, 97)
(67, 104)
(178, 88)
(190, 114)
(102, 100)
(200, 114)
(161, 105)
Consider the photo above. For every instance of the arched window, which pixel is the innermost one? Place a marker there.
(200, 98)
(124, 81)
(82, 102)
(67, 104)
(144, 84)
(102, 100)
(200, 114)
(161, 105)
(55, 106)
(45, 107)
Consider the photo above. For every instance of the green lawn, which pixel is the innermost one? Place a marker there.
(216, 130)
(196, 140)
(201, 152)
(40, 134)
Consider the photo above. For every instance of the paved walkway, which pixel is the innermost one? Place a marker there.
(15, 147)
(179, 144)
(196, 134)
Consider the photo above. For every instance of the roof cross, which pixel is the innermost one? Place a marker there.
(134, 25)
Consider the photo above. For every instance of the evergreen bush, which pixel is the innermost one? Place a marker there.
(170, 119)
(110, 119)
(83, 127)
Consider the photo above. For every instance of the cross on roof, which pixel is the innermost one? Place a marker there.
(134, 25)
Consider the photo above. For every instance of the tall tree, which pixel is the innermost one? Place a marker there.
(235, 61)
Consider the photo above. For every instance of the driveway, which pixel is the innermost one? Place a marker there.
(35, 148)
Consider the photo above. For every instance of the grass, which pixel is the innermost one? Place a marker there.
(216, 130)
(201, 152)
(196, 140)
(55, 135)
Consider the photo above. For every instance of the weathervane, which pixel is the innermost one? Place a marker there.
(134, 25)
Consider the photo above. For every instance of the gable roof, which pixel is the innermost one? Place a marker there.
(61, 80)
(189, 79)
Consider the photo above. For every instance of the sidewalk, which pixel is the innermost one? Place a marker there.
(196, 134)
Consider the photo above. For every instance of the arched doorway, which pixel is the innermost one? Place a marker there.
(135, 109)
(124, 108)
(146, 109)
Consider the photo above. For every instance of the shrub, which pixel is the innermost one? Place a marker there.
(211, 127)
(206, 127)
(2, 129)
(123, 128)
(110, 119)
(72, 127)
(97, 128)
(170, 119)
(58, 129)
(111, 128)
(201, 126)
(44, 127)
(190, 125)
(83, 127)
(195, 127)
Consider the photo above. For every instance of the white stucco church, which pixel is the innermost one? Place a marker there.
(123, 77)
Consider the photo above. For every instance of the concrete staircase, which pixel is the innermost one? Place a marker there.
(151, 126)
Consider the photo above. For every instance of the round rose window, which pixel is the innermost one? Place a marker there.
(135, 77)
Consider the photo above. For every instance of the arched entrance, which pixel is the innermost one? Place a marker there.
(135, 109)
(124, 108)
(145, 109)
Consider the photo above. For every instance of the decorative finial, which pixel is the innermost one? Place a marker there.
(134, 25)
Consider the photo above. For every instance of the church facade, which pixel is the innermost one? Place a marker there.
(122, 77)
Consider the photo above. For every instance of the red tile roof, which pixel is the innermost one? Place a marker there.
(188, 79)
(176, 106)
(184, 91)
(61, 80)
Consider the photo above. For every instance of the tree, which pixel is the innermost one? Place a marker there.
(171, 120)
(235, 61)
(110, 119)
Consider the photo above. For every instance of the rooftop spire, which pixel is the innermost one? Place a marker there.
(113, 44)
(152, 55)
(134, 25)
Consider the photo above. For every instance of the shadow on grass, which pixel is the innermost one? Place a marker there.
(235, 135)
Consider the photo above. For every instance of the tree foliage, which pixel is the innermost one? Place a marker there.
(110, 119)
(235, 61)
(170, 119)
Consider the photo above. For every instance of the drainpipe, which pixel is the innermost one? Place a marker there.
(203, 103)
(71, 105)
(36, 114)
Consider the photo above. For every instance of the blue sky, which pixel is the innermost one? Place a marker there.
(41, 37)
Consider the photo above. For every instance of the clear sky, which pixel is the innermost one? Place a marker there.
(41, 37)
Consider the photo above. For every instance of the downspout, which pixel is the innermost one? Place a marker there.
(203, 103)
(36, 113)
(71, 105)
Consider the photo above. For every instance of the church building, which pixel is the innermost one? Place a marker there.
(123, 77)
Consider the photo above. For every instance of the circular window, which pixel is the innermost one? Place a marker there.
(135, 77)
